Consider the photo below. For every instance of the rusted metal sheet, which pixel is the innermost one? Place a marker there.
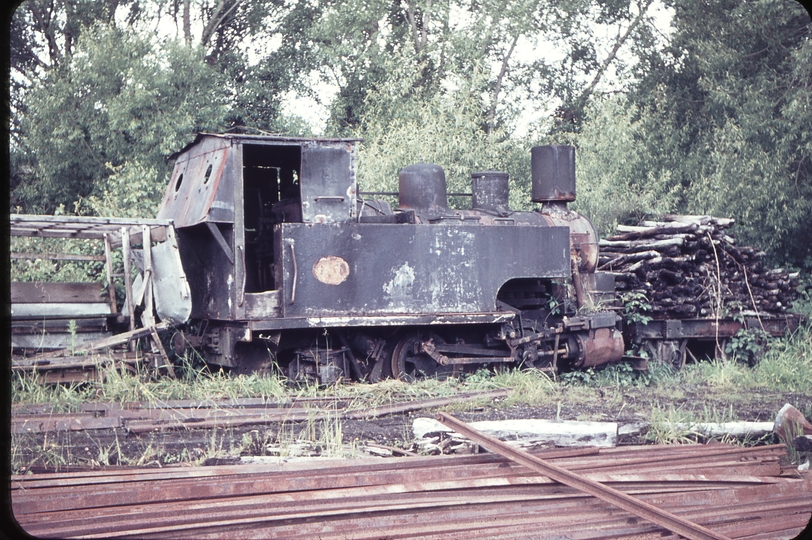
(710, 329)
(194, 191)
(173, 299)
(553, 173)
(475, 496)
(187, 414)
(422, 188)
(600, 346)
(328, 195)
(490, 192)
(399, 515)
(63, 423)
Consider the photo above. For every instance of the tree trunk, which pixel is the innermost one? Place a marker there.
(187, 24)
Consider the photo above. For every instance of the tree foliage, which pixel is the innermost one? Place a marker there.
(709, 115)
(725, 113)
(115, 104)
(98, 101)
(445, 130)
(616, 183)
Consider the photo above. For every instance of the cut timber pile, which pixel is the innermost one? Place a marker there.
(690, 267)
(735, 491)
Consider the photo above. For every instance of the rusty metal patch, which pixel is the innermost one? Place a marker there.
(331, 270)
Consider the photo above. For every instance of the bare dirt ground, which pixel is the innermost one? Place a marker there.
(93, 448)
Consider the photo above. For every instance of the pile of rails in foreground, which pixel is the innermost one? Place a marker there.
(686, 264)
(735, 492)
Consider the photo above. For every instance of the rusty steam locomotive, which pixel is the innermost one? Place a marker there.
(289, 264)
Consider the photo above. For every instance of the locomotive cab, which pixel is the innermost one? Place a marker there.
(226, 195)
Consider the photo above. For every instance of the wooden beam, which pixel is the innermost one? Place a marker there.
(42, 292)
(157, 341)
(112, 341)
(147, 317)
(56, 256)
(108, 264)
(128, 283)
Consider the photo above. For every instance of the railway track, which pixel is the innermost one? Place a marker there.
(141, 417)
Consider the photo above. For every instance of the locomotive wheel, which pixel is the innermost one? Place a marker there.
(408, 365)
(671, 352)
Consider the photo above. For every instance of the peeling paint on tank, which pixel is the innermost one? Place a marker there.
(399, 288)
(445, 287)
(401, 284)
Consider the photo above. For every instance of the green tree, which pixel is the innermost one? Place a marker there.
(616, 183)
(725, 114)
(359, 48)
(96, 93)
(445, 130)
(115, 105)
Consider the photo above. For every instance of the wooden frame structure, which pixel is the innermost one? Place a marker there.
(41, 306)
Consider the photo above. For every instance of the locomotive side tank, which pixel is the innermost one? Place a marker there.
(289, 266)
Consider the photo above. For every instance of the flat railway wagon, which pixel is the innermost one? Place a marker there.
(672, 341)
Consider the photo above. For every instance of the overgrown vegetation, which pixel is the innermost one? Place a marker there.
(704, 391)
(785, 366)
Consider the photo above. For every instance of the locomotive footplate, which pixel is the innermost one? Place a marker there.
(382, 320)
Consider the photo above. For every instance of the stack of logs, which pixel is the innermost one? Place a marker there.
(690, 267)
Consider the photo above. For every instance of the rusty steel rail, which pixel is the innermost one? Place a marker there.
(188, 414)
(468, 496)
(613, 496)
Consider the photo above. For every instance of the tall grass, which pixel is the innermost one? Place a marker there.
(788, 363)
(786, 367)
(30, 388)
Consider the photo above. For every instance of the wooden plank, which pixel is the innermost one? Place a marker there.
(147, 317)
(40, 326)
(62, 310)
(157, 343)
(57, 256)
(112, 341)
(87, 221)
(33, 292)
(62, 233)
(55, 341)
(120, 339)
(85, 227)
(50, 362)
(128, 284)
(108, 259)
